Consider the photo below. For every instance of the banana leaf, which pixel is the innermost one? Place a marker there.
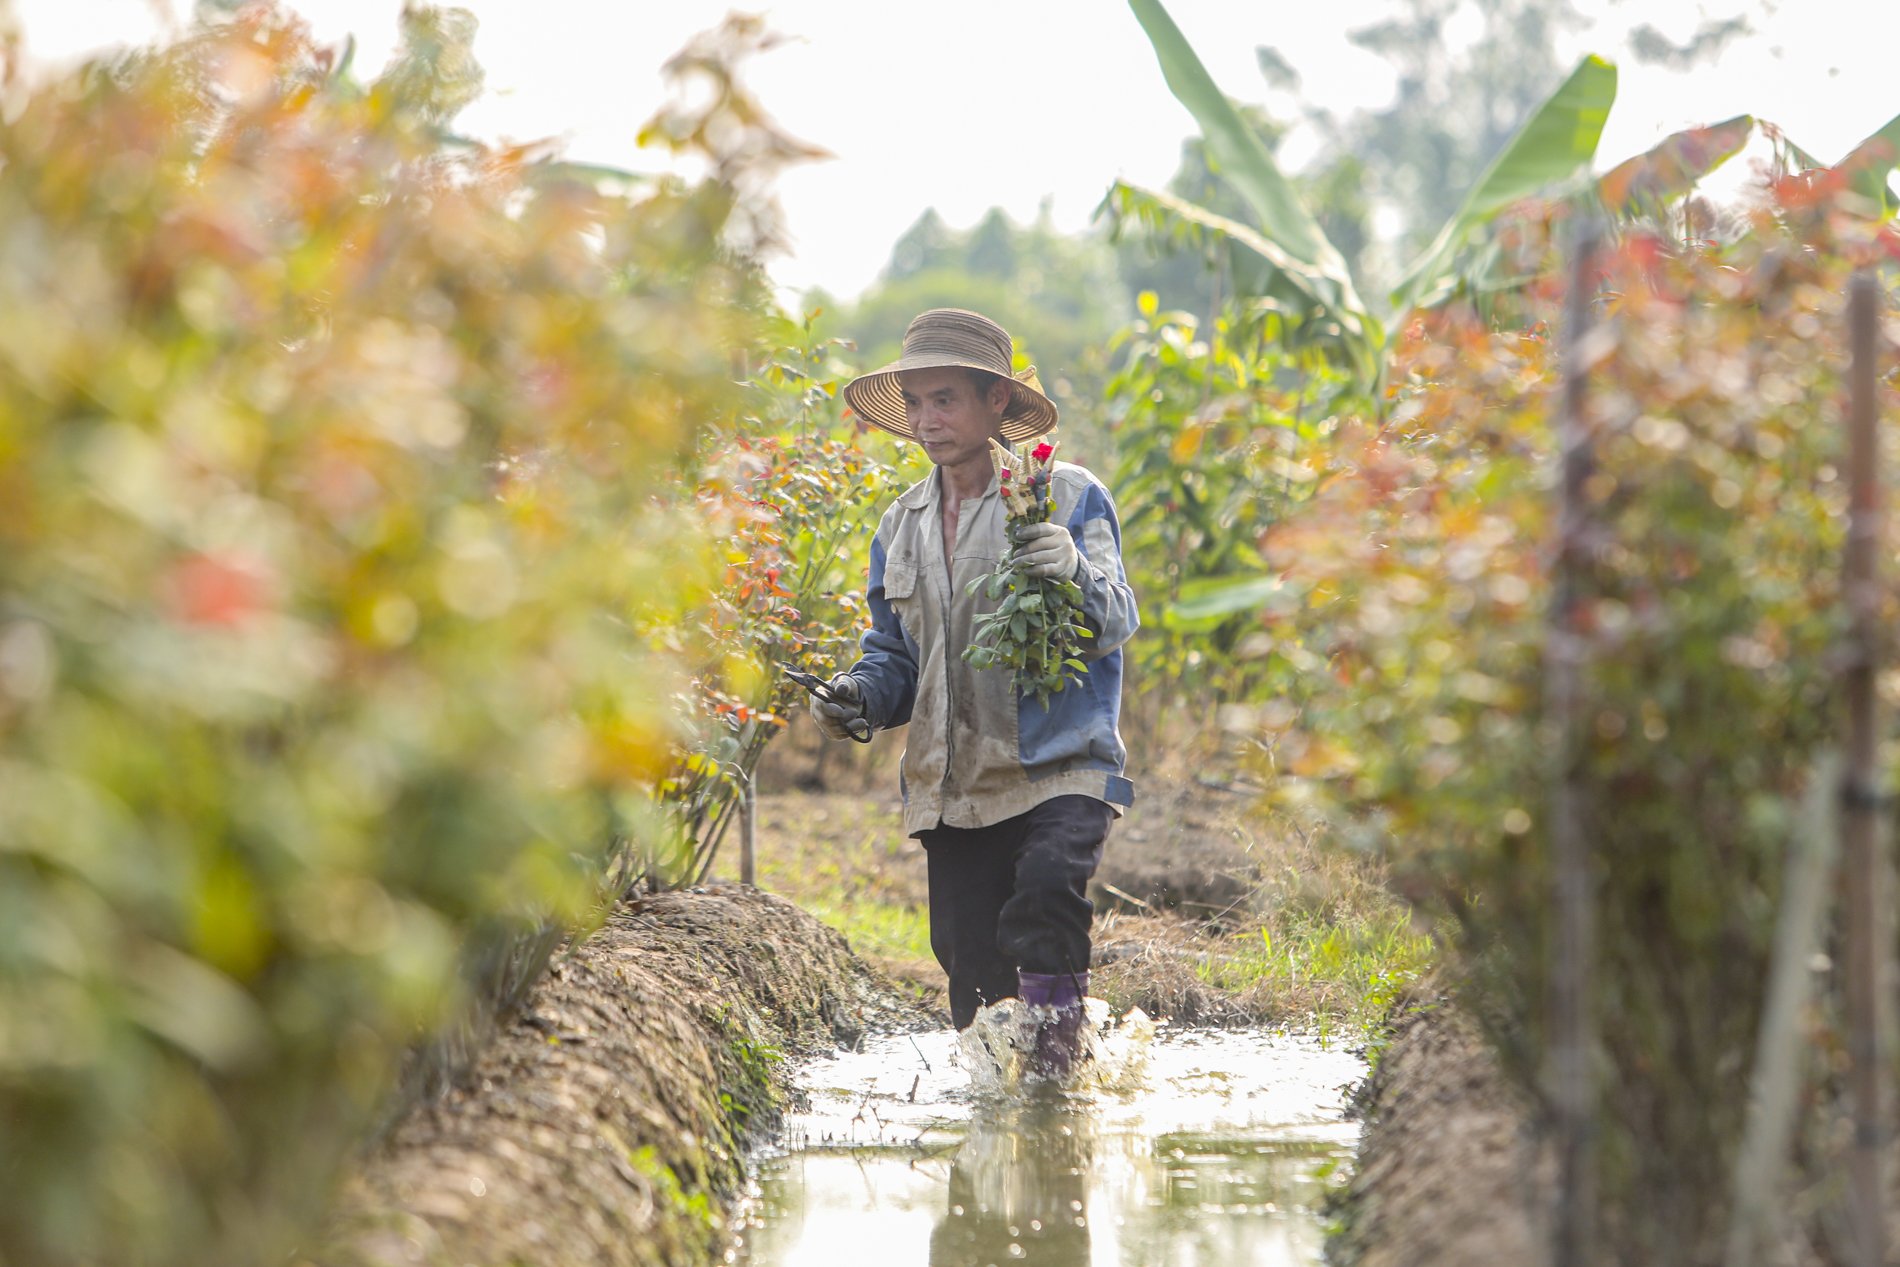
(1353, 333)
(1207, 600)
(1307, 256)
(1553, 145)
(1869, 166)
(1671, 169)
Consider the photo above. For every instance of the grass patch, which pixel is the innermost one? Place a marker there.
(1318, 939)
(880, 929)
(1351, 972)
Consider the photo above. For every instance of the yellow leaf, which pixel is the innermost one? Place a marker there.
(1188, 443)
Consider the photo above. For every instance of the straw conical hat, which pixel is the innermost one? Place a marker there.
(947, 337)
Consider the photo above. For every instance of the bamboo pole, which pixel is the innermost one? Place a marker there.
(1774, 1097)
(1572, 1037)
(1869, 938)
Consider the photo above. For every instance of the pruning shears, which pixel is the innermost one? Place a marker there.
(858, 728)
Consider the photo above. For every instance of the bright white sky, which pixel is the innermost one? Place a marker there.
(968, 104)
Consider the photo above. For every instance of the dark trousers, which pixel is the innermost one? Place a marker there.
(1013, 895)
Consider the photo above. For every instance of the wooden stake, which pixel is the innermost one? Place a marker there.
(1757, 1210)
(1572, 1036)
(1869, 938)
(748, 834)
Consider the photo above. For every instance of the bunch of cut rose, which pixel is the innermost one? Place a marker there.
(1034, 629)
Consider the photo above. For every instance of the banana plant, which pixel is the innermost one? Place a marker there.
(1649, 182)
(1307, 271)
(1284, 262)
(1290, 262)
(1555, 144)
(1305, 267)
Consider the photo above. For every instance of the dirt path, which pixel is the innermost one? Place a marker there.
(606, 1124)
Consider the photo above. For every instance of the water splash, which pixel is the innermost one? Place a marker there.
(997, 1050)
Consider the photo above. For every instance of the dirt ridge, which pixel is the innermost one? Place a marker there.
(607, 1123)
(1448, 1169)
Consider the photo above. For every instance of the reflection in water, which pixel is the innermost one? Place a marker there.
(1019, 1187)
(917, 1151)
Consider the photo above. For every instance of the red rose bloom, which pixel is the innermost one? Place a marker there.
(1004, 474)
(1042, 451)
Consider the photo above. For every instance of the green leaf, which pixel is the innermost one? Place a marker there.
(1211, 599)
(1556, 143)
(1805, 158)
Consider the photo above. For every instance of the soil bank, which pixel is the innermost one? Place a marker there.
(607, 1122)
(1449, 1171)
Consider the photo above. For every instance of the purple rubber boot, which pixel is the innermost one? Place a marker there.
(1058, 1038)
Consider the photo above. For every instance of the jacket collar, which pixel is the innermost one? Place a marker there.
(925, 493)
(921, 494)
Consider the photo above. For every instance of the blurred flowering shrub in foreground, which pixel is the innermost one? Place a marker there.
(330, 453)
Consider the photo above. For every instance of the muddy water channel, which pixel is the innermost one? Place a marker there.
(1180, 1149)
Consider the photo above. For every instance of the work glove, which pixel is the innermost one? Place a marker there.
(834, 719)
(1047, 551)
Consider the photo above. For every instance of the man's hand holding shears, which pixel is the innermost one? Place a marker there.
(837, 706)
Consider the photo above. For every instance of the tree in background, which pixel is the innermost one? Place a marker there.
(1454, 106)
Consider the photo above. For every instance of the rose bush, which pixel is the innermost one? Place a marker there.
(1415, 625)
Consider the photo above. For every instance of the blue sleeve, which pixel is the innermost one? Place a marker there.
(887, 666)
(1108, 604)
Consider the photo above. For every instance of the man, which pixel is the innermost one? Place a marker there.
(1011, 799)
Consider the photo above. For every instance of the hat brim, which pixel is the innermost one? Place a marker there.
(878, 397)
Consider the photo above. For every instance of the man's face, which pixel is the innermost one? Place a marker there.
(950, 417)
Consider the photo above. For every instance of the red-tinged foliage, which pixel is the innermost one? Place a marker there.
(1710, 616)
(223, 589)
(788, 499)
